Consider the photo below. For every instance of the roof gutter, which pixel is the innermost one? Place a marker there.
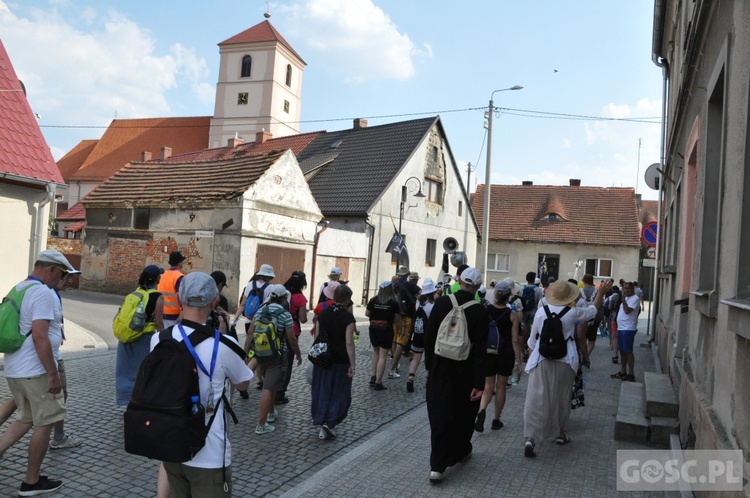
(41, 221)
(28, 180)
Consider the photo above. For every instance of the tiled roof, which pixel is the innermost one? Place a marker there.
(126, 139)
(517, 212)
(648, 211)
(260, 33)
(75, 227)
(77, 212)
(295, 142)
(157, 183)
(367, 159)
(73, 160)
(24, 153)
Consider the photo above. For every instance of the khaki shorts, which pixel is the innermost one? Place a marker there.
(273, 372)
(35, 404)
(63, 375)
(185, 481)
(401, 336)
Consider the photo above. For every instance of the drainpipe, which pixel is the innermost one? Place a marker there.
(313, 296)
(366, 290)
(41, 222)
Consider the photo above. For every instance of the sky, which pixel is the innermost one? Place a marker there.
(590, 107)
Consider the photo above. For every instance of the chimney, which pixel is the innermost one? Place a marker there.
(360, 123)
(262, 137)
(527, 183)
(235, 141)
(166, 152)
(575, 182)
(145, 156)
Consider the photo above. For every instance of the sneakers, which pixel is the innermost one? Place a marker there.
(436, 477)
(330, 433)
(43, 485)
(271, 417)
(615, 360)
(322, 434)
(372, 380)
(528, 449)
(479, 424)
(65, 442)
(393, 374)
(497, 425)
(264, 429)
(282, 401)
(380, 387)
(410, 385)
(244, 394)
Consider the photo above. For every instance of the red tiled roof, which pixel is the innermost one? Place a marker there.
(295, 142)
(517, 213)
(157, 183)
(73, 160)
(260, 33)
(126, 139)
(648, 211)
(75, 227)
(77, 212)
(23, 151)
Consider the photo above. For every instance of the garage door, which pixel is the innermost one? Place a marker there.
(283, 260)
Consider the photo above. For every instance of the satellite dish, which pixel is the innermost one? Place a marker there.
(652, 176)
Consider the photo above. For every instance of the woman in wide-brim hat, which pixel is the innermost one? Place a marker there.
(547, 407)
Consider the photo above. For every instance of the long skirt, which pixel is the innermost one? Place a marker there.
(547, 407)
(331, 394)
(129, 359)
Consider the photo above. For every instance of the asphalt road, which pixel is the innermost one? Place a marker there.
(93, 311)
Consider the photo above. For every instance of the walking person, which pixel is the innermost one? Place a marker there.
(422, 315)
(332, 386)
(627, 326)
(130, 354)
(333, 276)
(31, 371)
(298, 309)
(407, 293)
(168, 287)
(454, 387)
(547, 406)
(500, 361)
(384, 312)
(614, 308)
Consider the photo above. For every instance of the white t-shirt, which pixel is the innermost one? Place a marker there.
(577, 314)
(259, 284)
(230, 366)
(629, 321)
(39, 303)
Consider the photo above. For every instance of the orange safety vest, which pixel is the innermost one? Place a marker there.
(167, 286)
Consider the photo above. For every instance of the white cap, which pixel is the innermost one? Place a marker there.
(335, 271)
(471, 276)
(537, 281)
(277, 290)
(56, 257)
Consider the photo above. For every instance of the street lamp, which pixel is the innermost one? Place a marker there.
(404, 189)
(486, 215)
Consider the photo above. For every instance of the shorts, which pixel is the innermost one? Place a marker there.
(625, 339)
(417, 343)
(273, 372)
(381, 338)
(500, 364)
(196, 481)
(35, 404)
(401, 336)
(591, 332)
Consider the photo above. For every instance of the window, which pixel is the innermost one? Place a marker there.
(460, 208)
(599, 267)
(434, 191)
(247, 64)
(553, 217)
(288, 75)
(286, 106)
(141, 218)
(498, 262)
(429, 258)
(242, 98)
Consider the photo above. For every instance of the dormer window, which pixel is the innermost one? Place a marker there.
(553, 217)
(247, 64)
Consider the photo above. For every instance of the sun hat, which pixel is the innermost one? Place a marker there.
(329, 289)
(402, 271)
(197, 290)
(562, 293)
(428, 286)
(384, 284)
(413, 276)
(472, 277)
(266, 271)
(514, 286)
(56, 257)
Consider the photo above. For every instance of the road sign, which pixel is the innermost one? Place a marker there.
(651, 253)
(204, 234)
(648, 234)
(649, 263)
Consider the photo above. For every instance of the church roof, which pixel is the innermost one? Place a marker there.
(261, 33)
(24, 154)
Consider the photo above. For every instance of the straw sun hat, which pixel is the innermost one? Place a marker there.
(562, 293)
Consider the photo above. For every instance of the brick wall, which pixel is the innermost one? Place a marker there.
(126, 261)
(72, 249)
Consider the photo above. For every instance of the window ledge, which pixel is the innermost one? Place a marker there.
(738, 318)
(706, 302)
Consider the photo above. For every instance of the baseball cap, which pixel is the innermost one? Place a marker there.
(471, 276)
(56, 257)
(384, 284)
(537, 281)
(219, 277)
(197, 290)
(153, 270)
(428, 286)
(176, 257)
(277, 290)
(503, 288)
(266, 271)
(329, 289)
(335, 271)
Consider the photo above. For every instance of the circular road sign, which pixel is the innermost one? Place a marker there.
(651, 253)
(648, 234)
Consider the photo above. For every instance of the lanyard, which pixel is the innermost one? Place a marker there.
(195, 355)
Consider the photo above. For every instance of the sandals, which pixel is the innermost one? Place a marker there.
(629, 378)
(618, 376)
(615, 360)
(564, 439)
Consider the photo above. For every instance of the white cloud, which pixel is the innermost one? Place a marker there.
(358, 40)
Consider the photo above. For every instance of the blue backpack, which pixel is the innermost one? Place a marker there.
(528, 297)
(254, 298)
(495, 340)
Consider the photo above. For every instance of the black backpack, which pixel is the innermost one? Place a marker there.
(161, 421)
(495, 337)
(552, 342)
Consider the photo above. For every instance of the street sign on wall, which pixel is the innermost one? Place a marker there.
(651, 253)
(649, 233)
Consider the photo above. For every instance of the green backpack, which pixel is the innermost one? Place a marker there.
(266, 341)
(11, 337)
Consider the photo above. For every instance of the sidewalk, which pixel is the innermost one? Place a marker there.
(382, 447)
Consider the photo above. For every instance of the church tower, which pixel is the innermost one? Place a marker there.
(259, 87)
